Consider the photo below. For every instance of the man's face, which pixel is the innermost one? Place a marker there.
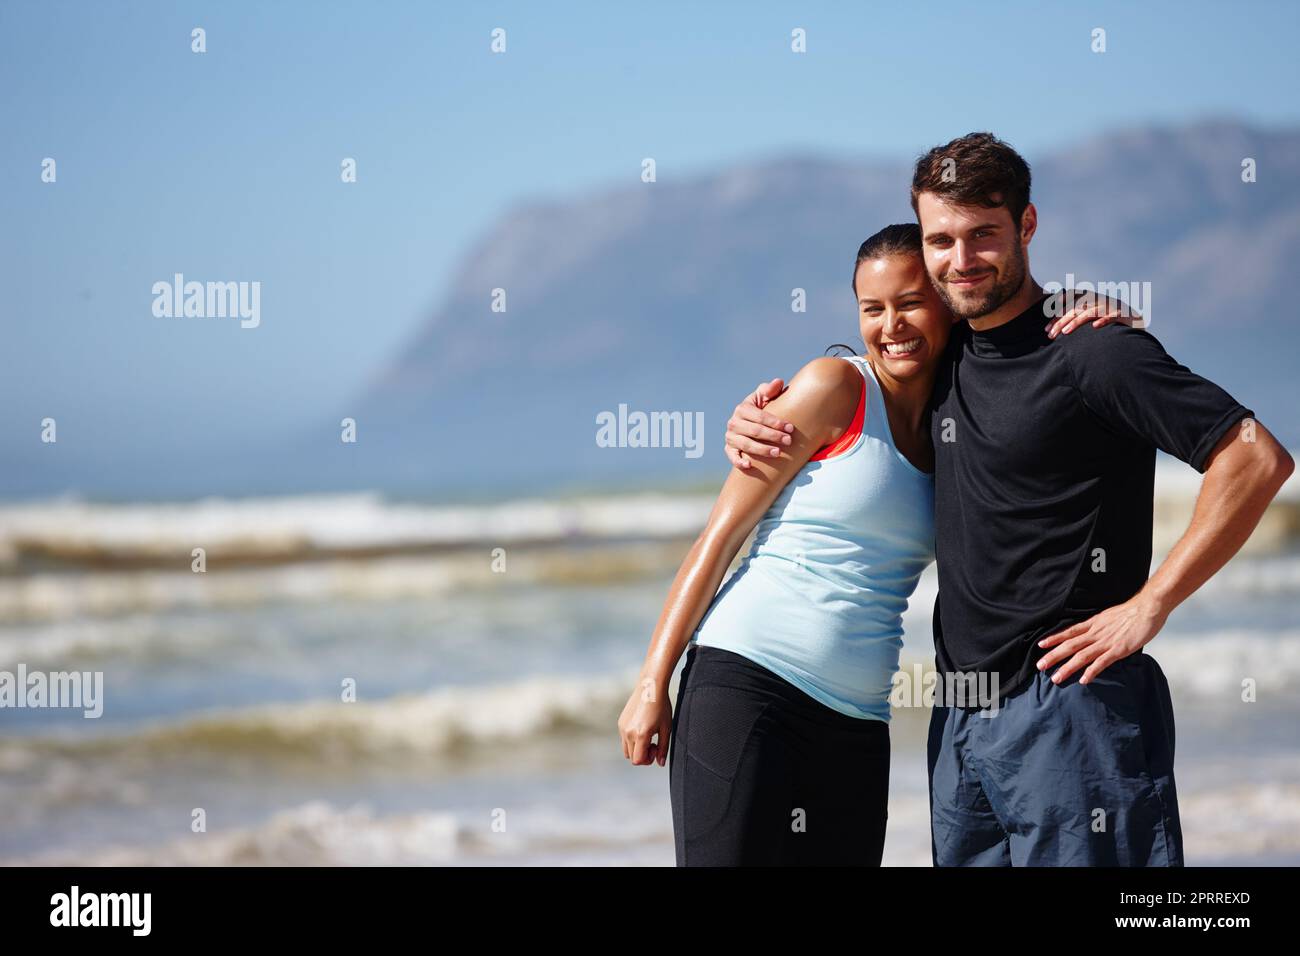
(974, 256)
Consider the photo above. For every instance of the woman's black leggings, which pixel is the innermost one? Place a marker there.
(762, 774)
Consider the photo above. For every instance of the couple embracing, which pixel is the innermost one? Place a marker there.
(973, 433)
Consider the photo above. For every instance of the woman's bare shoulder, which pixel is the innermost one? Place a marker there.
(826, 389)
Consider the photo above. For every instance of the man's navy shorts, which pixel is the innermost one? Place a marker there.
(1062, 775)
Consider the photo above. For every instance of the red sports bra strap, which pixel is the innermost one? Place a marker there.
(846, 440)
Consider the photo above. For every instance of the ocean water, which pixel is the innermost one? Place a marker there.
(483, 730)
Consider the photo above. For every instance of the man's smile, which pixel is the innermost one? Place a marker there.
(969, 282)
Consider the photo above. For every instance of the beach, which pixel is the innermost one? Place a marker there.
(357, 681)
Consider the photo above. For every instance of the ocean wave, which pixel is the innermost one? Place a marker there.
(313, 834)
(71, 532)
(64, 597)
(447, 723)
(460, 721)
(1213, 666)
(84, 596)
(68, 531)
(1260, 576)
(1259, 822)
(318, 833)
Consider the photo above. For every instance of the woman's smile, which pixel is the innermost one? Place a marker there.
(902, 349)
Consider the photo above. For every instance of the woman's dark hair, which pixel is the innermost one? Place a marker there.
(840, 345)
(900, 239)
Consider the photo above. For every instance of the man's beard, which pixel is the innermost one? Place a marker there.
(1002, 290)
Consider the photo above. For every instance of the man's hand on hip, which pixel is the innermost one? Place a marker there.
(1103, 639)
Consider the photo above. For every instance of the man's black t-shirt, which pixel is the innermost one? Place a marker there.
(1044, 476)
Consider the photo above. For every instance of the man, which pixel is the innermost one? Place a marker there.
(1044, 476)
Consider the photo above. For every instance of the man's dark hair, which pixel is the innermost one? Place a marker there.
(977, 169)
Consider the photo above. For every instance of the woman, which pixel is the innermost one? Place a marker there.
(780, 741)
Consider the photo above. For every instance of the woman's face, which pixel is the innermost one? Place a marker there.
(904, 323)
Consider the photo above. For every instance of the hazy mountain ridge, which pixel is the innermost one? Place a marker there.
(675, 295)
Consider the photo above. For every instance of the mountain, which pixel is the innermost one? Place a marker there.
(675, 296)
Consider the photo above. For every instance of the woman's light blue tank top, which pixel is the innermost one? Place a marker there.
(819, 597)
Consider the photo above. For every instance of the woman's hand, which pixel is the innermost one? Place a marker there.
(646, 714)
(1089, 307)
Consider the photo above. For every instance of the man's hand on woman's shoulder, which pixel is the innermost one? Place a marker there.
(1084, 308)
(755, 431)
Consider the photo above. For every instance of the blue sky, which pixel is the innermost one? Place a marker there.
(225, 165)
